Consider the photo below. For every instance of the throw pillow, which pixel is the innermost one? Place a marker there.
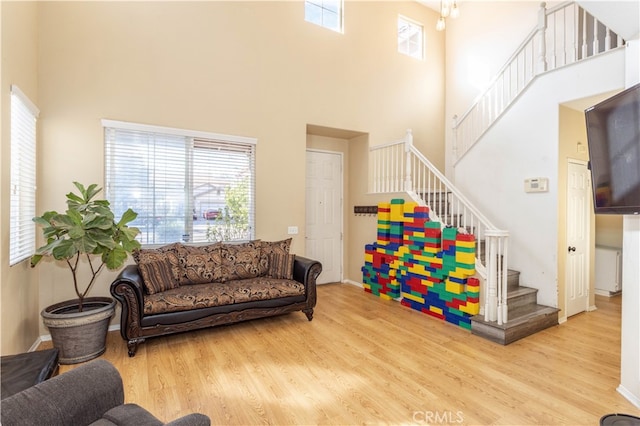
(240, 261)
(157, 276)
(167, 253)
(200, 264)
(281, 266)
(269, 247)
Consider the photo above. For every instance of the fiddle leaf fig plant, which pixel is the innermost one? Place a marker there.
(87, 229)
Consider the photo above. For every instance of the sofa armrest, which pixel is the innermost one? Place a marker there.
(193, 419)
(306, 271)
(79, 396)
(129, 291)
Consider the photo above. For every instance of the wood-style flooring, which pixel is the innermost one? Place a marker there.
(363, 360)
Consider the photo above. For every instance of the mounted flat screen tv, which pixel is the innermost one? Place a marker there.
(613, 136)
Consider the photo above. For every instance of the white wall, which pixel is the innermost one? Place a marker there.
(524, 143)
(630, 351)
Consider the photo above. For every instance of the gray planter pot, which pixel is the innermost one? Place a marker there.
(79, 336)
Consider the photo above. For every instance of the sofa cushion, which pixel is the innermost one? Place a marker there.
(157, 276)
(241, 261)
(219, 294)
(168, 253)
(200, 264)
(268, 247)
(281, 266)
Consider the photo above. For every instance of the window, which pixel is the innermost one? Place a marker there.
(410, 38)
(185, 185)
(326, 13)
(22, 229)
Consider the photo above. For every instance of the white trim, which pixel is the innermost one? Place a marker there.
(628, 395)
(351, 282)
(15, 90)
(125, 125)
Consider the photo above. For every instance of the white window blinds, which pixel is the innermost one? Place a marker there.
(22, 229)
(185, 186)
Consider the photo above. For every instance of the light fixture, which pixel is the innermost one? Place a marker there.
(447, 8)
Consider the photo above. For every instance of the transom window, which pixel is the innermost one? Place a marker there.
(326, 13)
(410, 38)
(185, 185)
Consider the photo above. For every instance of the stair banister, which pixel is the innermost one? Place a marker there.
(427, 186)
(562, 36)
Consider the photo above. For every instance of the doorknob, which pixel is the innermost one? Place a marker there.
(572, 249)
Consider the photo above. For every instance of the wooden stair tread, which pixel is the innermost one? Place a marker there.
(519, 316)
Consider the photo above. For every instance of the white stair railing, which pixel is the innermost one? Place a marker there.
(564, 35)
(399, 167)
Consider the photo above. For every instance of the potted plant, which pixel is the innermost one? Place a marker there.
(85, 236)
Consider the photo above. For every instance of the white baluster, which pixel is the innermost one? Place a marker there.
(585, 48)
(596, 42)
(542, 27)
(607, 40)
(408, 143)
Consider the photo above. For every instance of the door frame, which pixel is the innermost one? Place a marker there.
(342, 204)
(587, 231)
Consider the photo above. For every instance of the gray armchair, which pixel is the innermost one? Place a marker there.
(91, 394)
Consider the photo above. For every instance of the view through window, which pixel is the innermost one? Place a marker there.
(185, 186)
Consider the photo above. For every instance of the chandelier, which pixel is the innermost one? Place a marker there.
(447, 8)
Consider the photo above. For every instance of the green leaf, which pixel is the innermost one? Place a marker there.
(115, 258)
(84, 245)
(127, 217)
(64, 250)
(100, 222)
(101, 238)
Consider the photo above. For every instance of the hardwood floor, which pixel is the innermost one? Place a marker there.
(363, 360)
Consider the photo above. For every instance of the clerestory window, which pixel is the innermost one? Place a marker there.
(410, 38)
(326, 13)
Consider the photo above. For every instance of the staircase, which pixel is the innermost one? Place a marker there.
(526, 316)
(565, 34)
(509, 311)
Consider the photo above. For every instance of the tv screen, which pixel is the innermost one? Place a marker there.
(613, 136)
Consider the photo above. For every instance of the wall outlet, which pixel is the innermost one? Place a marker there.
(293, 230)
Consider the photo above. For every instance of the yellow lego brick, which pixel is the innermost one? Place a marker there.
(403, 250)
(466, 271)
(435, 309)
(473, 289)
(415, 298)
(465, 257)
(418, 234)
(385, 296)
(384, 226)
(368, 257)
(431, 250)
(466, 244)
(367, 286)
(409, 207)
(456, 274)
(471, 308)
(452, 287)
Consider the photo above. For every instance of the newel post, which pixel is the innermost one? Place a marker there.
(408, 143)
(542, 28)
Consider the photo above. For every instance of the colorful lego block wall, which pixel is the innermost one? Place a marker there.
(428, 267)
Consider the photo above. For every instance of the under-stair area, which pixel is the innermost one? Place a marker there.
(508, 310)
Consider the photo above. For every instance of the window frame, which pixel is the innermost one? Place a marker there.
(22, 210)
(406, 40)
(193, 140)
(321, 4)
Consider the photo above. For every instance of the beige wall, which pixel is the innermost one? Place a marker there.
(244, 68)
(572, 146)
(18, 286)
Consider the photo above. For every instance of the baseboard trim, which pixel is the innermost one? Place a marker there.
(357, 284)
(635, 400)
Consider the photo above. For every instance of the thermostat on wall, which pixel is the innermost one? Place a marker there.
(539, 184)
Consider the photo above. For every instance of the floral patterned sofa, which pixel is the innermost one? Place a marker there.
(180, 287)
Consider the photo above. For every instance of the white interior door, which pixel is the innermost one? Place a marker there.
(324, 213)
(578, 214)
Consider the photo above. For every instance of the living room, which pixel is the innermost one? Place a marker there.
(253, 69)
